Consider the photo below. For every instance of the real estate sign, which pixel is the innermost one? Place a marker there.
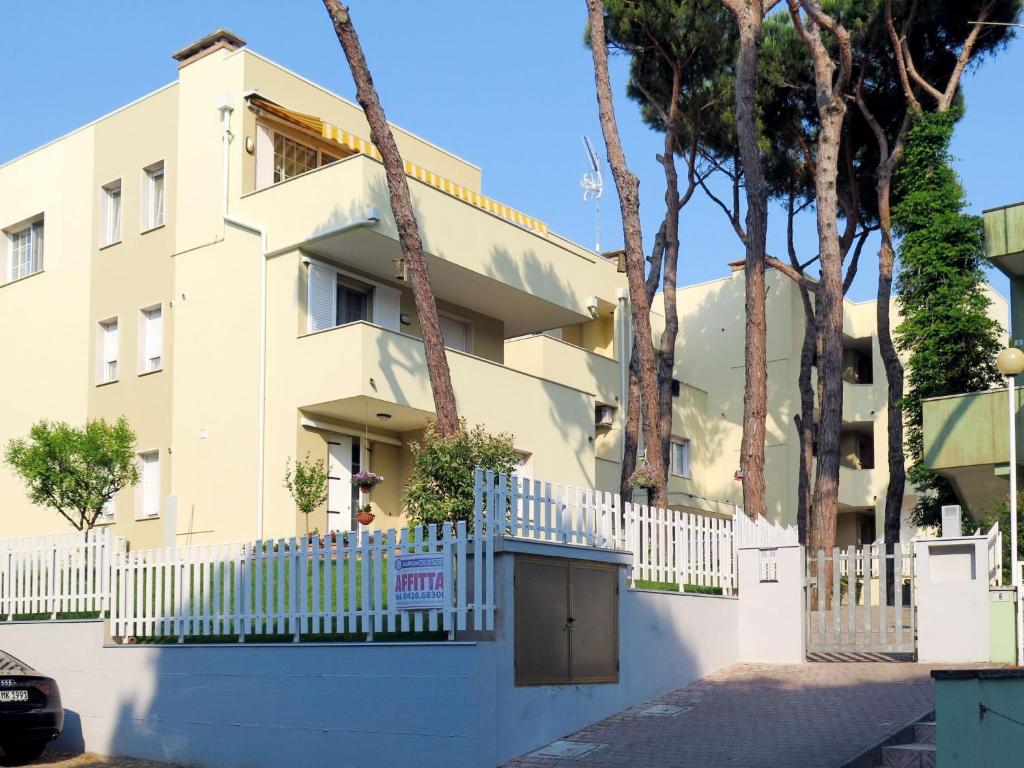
(420, 581)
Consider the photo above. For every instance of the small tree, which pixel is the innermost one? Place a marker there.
(75, 470)
(306, 483)
(440, 487)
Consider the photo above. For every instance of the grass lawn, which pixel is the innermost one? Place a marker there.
(672, 586)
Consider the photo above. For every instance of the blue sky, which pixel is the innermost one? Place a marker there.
(508, 86)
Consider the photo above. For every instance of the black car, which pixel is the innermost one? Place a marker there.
(31, 715)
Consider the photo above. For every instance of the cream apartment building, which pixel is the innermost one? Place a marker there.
(218, 262)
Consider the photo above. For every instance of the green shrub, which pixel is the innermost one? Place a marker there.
(306, 483)
(440, 486)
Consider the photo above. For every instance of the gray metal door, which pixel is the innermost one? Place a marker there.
(861, 600)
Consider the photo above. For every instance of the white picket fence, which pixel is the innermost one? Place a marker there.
(329, 588)
(762, 532)
(61, 575)
(669, 547)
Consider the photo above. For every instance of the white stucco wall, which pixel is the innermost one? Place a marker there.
(771, 613)
(952, 599)
(425, 704)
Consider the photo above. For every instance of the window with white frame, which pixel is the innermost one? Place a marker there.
(108, 512)
(149, 484)
(152, 196)
(25, 250)
(151, 339)
(107, 347)
(110, 212)
(283, 154)
(680, 458)
(336, 297)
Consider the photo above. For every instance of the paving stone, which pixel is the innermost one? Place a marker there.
(665, 710)
(571, 750)
(814, 715)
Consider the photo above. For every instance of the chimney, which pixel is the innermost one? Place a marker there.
(207, 45)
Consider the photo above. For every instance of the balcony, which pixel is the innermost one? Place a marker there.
(859, 488)
(966, 439)
(1004, 238)
(560, 361)
(477, 260)
(353, 372)
(860, 402)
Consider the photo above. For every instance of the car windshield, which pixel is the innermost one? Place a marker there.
(12, 666)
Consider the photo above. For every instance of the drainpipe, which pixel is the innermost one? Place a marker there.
(625, 349)
(226, 107)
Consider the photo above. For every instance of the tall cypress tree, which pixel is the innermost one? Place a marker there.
(951, 340)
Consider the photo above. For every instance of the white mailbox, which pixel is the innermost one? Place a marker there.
(951, 521)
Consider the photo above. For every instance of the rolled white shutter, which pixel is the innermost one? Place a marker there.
(110, 342)
(322, 297)
(264, 156)
(151, 484)
(154, 333)
(387, 307)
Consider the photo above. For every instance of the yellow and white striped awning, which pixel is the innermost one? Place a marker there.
(361, 146)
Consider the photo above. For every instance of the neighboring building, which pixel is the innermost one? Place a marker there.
(966, 437)
(710, 357)
(239, 296)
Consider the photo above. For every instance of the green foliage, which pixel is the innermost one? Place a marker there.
(946, 330)
(440, 487)
(306, 482)
(75, 470)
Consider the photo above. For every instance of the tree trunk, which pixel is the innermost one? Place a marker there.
(628, 188)
(831, 81)
(805, 421)
(755, 393)
(405, 219)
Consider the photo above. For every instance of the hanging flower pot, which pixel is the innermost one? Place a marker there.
(364, 515)
(645, 476)
(366, 480)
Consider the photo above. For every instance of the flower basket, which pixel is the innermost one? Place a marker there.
(366, 480)
(364, 515)
(645, 476)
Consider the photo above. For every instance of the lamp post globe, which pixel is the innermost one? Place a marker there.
(1010, 361)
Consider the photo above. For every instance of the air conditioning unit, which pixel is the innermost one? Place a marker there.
(604, 415)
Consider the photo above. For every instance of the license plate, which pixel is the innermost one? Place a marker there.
(11, 696)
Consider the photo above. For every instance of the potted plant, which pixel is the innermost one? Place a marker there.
(645, 476)
(306, 483)
(366, 480)
(364, 515)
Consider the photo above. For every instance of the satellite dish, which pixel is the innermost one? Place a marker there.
(593, 186)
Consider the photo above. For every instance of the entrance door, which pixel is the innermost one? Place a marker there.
(343, 454)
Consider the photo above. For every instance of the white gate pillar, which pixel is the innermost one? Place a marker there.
(952, 599)
(771, 605)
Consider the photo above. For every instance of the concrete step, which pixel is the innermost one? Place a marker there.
(909, 756)
(924, 733)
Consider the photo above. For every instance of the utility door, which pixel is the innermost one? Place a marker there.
(340, 492)
(566, 622)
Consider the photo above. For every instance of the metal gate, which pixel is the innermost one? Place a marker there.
(861, 600)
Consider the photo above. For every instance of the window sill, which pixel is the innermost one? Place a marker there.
(152, 229)
(145, 518)
(150, 373)
(107, 383)
(20, 279)
(109, 245)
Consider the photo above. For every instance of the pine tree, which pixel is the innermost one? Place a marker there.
(951, 340)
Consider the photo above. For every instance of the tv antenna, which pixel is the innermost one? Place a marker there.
(593, 186)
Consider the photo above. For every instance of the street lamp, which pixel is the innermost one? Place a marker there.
(1011, 364)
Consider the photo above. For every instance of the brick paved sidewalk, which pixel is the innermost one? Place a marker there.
(753, 715)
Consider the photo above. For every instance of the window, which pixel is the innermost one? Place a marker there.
(680, 458)
(337, 298)
(109, 511)
(107, 347)
(455, 333)
(153, 196)
(291, 158)
(352, 304)
(25, 250)
(110, 213)
(151, 339)
(149, 484)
